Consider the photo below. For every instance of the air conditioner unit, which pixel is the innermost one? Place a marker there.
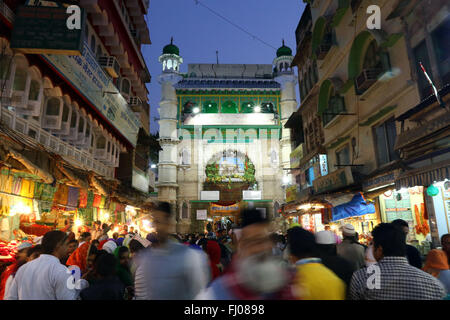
(366, 79)
(110, 65)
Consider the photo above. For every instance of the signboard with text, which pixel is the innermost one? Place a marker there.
(210, 195)
(296, 156)
(43, 30)
(202, 214)
(86, 75)
(335, 180)
(291, 193)
(251, 195)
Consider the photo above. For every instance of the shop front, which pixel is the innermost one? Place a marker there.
(359, 213)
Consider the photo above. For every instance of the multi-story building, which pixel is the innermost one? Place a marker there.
(222, 137)
(80, 94)
(368, 79)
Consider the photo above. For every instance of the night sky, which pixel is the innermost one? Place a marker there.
(199, 33)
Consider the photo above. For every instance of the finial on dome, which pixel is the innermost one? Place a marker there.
(171, 40)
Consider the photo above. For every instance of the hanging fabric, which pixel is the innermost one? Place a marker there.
(83, 198)
(90, 199)
(102, 202)
(97, 200)
(17, 185)
(72, 199)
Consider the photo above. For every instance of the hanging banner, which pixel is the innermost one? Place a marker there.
(88, 77)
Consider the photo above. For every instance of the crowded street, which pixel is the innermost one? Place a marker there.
(210, 151)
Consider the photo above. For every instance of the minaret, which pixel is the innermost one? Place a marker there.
(168, 137)
(284, 75)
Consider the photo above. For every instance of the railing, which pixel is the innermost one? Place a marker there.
(78, 157)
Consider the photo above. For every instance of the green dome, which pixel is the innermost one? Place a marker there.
(284, 51)
(171, 49)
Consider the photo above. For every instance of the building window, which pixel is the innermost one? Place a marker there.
(372, 58)
(385, 136)
(442, 50)
(35, 89)
(5, 66)
(125, 88)
(20, 79)
(343, 156)
(184, 211)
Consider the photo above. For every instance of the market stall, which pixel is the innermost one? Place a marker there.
(359, 213)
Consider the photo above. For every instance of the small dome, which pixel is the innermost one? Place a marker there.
(284, 51)
(171, 49)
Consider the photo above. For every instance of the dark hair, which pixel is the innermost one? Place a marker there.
(164, 207)
(302, 243)
(73, 241)
(391, 238)
(122, 250)
(135, 246)
(92, 250)
(326, 250)
(252, 216)
(85, 235)
(34, 249)
(95, 241)
(400, 223)
(444, 236)
(105, 266)
(105, 226)
(51, 240)
(115, 235)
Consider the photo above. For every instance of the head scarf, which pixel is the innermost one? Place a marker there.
(119, 241)
(79, 257)
(110, 246)
(435, 262)
(123, 273)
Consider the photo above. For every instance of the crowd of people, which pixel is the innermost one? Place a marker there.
(239, 263)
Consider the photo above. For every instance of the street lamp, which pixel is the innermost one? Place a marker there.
(153, 166)
(257, 109)
(196, 110)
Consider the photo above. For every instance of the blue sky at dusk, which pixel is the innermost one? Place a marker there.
(199, 33)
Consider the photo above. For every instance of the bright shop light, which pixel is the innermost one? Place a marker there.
(78, 223)
(196, 110)
(257, 109)
(19, 207)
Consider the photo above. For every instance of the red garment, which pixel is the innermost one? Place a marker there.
(79, 257)
(10, 270)
(83, 198)
(100, 245)
(97, 200)
(213, 251)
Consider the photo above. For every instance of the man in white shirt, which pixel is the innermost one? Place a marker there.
(45, 278)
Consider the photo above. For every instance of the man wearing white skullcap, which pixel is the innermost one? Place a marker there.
(351, 250)
(109, 246)
(326, 245)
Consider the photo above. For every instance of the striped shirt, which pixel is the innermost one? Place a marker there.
(397, 280)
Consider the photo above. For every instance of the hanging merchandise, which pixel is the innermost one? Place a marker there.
(36, 209)
(61, 195)
(83, 198)
(90, 199)
(97, 200)
(432, 191)
(422, 225)
(102, 202)
(17, 185)
(72, 199)
(27, 189)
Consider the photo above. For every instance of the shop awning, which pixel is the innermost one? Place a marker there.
(356, 207)
(424, 176)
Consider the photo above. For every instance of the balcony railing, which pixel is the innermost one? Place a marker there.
(366, 79)
(78, 157)
(323, 49)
